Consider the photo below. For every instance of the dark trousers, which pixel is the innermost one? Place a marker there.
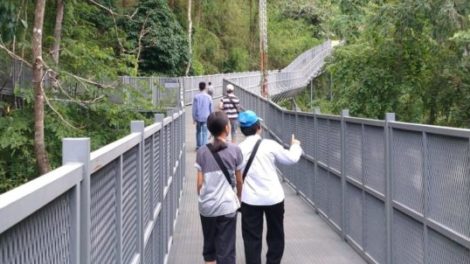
(252, 231)
(219, 238)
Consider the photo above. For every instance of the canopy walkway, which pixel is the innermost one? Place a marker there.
(376, 191)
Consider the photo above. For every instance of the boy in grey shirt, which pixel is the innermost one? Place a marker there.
(218, 203)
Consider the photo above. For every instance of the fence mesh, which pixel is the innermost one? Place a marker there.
(420, 217)
(43, 237)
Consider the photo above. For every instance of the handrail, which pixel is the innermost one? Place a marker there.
(127, 190)
(35, 194)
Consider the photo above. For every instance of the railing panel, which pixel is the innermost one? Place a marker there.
(444, 250)
(147, 181)
(323, 140)
(157, 164)
(149, 250)
(374, 158)
(354, 213)
(353, 157)
(375, 232)
(334, 199)
(449, 181)
(43, 237)
(129, 205)
(306, 176)
(407, 169)
(306, 133)
(103, 213)
(334, 145)
(322, 190)
(407, 239)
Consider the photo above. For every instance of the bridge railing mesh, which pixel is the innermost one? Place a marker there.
(117, 204)
(396, 192)
(295, 76)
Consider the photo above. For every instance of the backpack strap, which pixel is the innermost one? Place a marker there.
(250, 160)
(220, 163)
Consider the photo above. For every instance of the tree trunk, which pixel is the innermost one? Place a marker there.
(58, 31)
(198, 6)
(125, 3)
(171, 3)
(39, 145)
(190, 30)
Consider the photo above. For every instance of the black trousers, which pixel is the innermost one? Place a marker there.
(252, 231)
(219, 238)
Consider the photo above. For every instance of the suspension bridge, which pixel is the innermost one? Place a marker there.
(364, 191)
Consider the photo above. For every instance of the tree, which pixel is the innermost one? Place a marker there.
(39, 144)
(58, 31)
(165, 46)
(190, 30)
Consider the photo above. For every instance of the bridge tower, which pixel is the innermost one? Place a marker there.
(263, 41)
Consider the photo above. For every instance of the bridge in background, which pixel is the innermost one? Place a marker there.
(395, 192)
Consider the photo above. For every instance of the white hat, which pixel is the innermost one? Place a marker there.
(229, 87)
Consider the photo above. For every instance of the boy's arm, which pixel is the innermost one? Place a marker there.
(199, 181)
(194, 109)
(239, 179)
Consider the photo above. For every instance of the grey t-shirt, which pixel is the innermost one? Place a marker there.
(217, 197)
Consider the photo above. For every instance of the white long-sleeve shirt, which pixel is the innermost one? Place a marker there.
(262, 185)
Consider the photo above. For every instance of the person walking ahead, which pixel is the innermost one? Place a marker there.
(202, 107)
(218, 165)
(262, 193)
(231, 105)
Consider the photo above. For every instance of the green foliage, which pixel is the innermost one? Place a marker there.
(165, 44)
(226, 37)
(408, 57)
(89, 43)
(7, 21)
(300, 36)
(100, 47)
(103, 122)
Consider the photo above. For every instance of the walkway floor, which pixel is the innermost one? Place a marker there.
(308, 238)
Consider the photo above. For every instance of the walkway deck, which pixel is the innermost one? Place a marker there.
(308, 238)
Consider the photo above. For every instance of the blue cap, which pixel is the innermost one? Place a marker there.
(248, 118)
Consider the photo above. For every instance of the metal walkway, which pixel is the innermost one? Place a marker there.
(308, 238)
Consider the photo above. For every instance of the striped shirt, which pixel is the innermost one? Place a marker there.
(230, 108)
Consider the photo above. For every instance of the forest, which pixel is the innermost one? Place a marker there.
(410, 57)
(85, 45)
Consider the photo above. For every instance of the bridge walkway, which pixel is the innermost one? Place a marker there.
(308, 238)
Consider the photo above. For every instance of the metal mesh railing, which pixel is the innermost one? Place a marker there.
(288, 81)
(285, 82)
(191, 83)
(164, 91)
(397, 192)
(14, 73)
(115, 205)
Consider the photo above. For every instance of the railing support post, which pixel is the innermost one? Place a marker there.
(78, 150)
(138, 127)
(344, 113)
(316, 111)
(389, 117)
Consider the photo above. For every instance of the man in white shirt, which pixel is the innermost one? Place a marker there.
(262, 192)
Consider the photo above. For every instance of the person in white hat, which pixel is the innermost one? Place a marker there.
(262, 193)
(230, 104)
